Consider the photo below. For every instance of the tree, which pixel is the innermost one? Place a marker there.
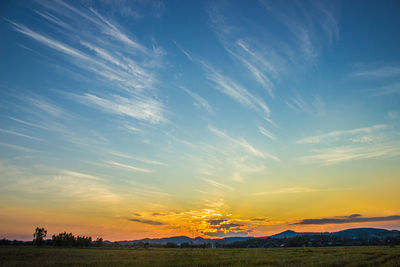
(64, 240)
(39, 235)
(99, 242)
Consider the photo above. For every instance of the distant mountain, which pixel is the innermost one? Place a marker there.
(354, 232)
(163, 241)
(290, 233)
(371, 232)
(348, 233)
(185, 239)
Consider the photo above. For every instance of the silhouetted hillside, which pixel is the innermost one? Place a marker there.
(286, 238)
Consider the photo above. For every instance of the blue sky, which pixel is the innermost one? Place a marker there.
(184, 107)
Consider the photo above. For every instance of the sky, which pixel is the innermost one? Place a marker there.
(133, 119)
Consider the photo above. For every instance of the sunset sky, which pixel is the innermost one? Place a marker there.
(134, 119)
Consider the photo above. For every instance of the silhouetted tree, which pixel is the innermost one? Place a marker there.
(98, 242)
(83, 241)
(5, 242)
(39, 235)
(63, 240)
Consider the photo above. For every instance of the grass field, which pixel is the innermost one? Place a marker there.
(332, 256)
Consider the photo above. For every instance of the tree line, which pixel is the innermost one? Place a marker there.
(64, 239)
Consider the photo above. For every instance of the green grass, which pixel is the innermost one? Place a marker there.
(328, 256)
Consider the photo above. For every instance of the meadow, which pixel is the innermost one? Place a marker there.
(323, 256)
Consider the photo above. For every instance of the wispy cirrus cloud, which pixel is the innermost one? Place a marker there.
(298, 104)
(65, 185)
(306, 22)
(381, 72)
(243, 144)
(199, 101)
(393, 88)
(20, 134)
(129, 74)
(28, 123)
(230, 87)
(144, 160)
(217, 184)
(314, 105)
(376, 141)
(330, 156)
(146, 190)
(266, 133)
(53, 19)
(306, 27)
(129, 167)
(354, 218)
(288, 190)
(47, 106)
(136, 107)
(17, 147)
(255, 60)
(235, 90)
(262, 70)
(80, 175)
(334, 135)
(387, 75)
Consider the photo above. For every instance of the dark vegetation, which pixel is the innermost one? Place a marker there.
(353, 247)
(322, 256)
(61, 240)
(350, 237)
(315, 241)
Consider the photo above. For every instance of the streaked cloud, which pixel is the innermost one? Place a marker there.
(20, 134)
(130, 74)
(46, 106)
(17, 147)
(31, 124)
(63, 185)
(330, 156)
(377, 72)
(217, 184)
(341, 133)
(385, 79)
(199, 101)
(80, 175)
(146, 190)
(151, 222)
(123, 155)
(141, 140)
(260, 62)
(393, 88)
(317, 24)
(287, 190)
(129, 167)
(141, 108)
(298, 104)
(243, 144)
(231, 88)
(355, 218)
(266, 133)
(236, 91)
